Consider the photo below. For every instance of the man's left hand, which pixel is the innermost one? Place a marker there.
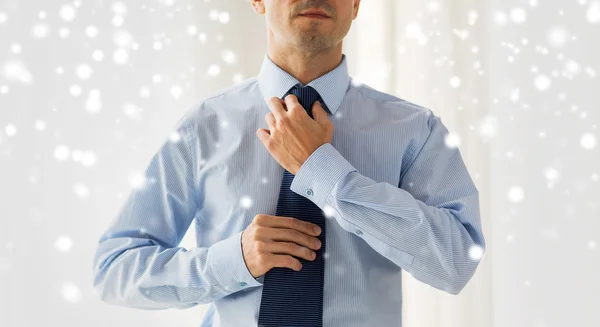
(292, 135)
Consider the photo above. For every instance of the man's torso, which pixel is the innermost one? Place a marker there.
(237, 179)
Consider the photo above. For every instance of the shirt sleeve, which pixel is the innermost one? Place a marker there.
(429, 225)
(138, 262)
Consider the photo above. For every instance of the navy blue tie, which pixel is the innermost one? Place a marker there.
(295, 298)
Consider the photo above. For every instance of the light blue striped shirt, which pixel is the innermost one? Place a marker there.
(394, 194)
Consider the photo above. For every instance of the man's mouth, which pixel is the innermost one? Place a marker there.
(314, 14)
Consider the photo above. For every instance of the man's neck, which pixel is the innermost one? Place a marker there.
(306, 65)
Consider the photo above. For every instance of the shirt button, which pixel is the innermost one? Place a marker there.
(358, 232)
(243, 284)
(309, 192)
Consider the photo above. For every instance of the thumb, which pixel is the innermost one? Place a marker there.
(319, 113)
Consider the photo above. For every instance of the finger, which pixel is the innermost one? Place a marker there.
(284, 261)
(292, 104)
(270, 119)
(276, 105)
(293, 223)
(292, 249)
(292, 235)
(319, 112)
(264, 135)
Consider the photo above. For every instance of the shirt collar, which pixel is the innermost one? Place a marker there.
(275, 82)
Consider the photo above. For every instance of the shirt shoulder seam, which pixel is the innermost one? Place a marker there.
(368, 91)
(232, 88)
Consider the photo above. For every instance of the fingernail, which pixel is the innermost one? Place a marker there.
(317, 229)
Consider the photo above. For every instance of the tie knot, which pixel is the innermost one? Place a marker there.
(306, 96)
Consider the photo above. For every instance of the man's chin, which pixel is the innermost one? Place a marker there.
(313, 31)
(310, 42)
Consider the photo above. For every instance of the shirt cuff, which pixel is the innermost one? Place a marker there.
(226, 261)
(320, 173)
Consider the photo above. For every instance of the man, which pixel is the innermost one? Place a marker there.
(310, 194)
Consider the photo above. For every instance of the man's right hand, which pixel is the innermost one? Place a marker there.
(273, 241)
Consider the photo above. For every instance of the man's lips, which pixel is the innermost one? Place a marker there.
(314, 14)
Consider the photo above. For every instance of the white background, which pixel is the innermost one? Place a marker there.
(89, 90)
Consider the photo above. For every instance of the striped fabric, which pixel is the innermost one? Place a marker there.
(289, 297)
(394, 197)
